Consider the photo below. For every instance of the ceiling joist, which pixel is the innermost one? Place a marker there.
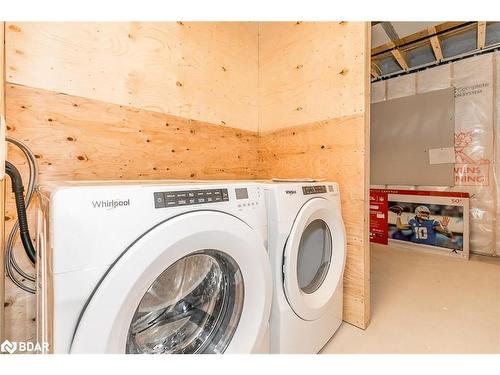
(399, 56)
(481, 34)
(436, 45)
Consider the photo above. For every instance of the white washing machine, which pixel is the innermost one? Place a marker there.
(153, 267)
(307, 248)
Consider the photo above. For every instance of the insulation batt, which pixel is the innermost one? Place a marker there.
(477, 159)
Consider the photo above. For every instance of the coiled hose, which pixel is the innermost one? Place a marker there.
(12, 267)
(18, 190)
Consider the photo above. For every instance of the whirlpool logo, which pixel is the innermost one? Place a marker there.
(290, 192)
(111, 203)
(12, 347)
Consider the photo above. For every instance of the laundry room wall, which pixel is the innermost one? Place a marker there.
(2, 181)
(219, 100)
(129, 101)
(314, 122)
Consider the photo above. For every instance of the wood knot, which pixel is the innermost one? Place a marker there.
(71, 139)
(81, 157)
(223, 68)
(179, 84)
(300, 66)
(299, 109)
(15, 28)
(344, 71)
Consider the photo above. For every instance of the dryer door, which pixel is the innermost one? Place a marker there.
(196, 283)
(314, 258)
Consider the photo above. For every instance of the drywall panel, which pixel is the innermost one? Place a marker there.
(406, 135)
(78, 138)
(332, 150)
(201, 70)
(310, 71)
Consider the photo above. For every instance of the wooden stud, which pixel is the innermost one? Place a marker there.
(436, 45)
(481, 34)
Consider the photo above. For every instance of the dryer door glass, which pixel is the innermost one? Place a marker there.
(194, 306)
(314, 256)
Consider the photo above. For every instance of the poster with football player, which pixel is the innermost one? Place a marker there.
(423, 220)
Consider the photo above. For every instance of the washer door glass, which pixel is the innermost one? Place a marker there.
(314, 256)
(194, 306)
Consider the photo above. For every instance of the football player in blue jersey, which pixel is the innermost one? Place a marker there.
(424, 230)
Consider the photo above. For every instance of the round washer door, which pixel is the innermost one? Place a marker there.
(196, 283)
(314, 258)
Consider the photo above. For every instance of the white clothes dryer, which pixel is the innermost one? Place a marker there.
(307, 248)
(153, 267)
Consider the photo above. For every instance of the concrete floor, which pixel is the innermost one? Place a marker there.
(426, 303)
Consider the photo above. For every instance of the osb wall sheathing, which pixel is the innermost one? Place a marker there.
(314, 93)
(187, 100)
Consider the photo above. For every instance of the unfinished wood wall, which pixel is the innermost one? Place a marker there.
(314, 84)
(199, 70)
(129, 101)
(182, 100)
(2, 182)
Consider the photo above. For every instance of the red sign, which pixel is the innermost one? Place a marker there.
(378, 216)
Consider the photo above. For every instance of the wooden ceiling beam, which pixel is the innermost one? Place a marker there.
(481, 34)
(436, 45)
(399, 56)
(442, 27)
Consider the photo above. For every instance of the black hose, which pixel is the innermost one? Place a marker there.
(18, 190)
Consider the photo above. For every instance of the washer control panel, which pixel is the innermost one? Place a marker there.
(314, 189)
(189, 197)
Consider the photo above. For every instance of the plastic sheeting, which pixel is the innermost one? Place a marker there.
(477, 146)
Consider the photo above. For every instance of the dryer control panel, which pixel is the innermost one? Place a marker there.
(314, 189)
(189, 197)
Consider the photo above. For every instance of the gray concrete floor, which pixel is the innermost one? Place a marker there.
(427, 303)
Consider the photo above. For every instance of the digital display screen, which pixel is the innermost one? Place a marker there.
(241, 193)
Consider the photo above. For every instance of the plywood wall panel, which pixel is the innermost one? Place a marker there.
(310, 71)
(80, 138)
(201, 70)
(332, 150)
(314, 122)
(77, 138)
(2, 185)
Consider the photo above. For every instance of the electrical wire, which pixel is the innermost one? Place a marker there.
(12, 266)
